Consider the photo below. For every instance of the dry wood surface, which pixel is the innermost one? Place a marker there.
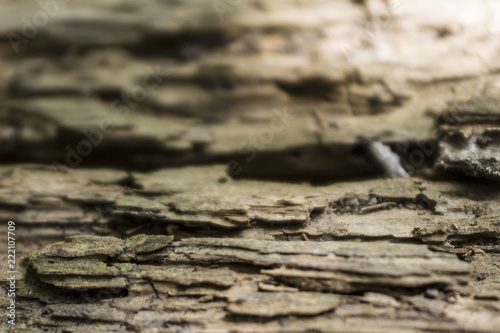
(215, 166)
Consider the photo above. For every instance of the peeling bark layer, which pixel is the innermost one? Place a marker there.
(233, 280)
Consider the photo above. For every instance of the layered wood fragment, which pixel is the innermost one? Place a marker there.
(225, 284)
(341, 267)
(200, 201)
(221, 283)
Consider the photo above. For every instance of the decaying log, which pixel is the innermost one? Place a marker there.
(242, 283)
(203, 168)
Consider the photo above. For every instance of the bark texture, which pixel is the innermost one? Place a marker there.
(189, 166)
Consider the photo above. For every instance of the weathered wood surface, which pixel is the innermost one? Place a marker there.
(248, 278)
(270, 242)
(212, 85)
(196, 198)
(189, 114)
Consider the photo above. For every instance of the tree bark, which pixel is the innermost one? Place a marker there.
(208, 167)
